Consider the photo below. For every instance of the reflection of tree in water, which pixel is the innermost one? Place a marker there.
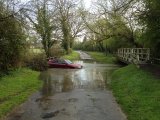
(67, 83)
(98, 79)
(47, 89)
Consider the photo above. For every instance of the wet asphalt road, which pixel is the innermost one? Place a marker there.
(84, 56)
(70, 94)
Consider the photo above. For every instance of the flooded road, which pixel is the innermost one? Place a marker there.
(72, 94)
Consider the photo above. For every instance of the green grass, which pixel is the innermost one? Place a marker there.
(16, 87)
(73, 56)
(102, 58)
(138, 93)
(36, 50)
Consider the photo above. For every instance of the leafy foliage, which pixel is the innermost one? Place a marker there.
(12, 41)
(150, 18)
(57, 51)
(36, 62)
(123, 23)
(42, 24)
(107, 35)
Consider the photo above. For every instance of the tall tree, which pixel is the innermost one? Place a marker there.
(70, 23)
(41, 16)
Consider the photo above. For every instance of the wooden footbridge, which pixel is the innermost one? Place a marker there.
(134, 55)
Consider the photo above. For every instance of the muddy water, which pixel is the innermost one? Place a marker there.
(72, 94)
(92, 76)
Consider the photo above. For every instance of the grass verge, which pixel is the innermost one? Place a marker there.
(138, 93)
(16, 87)
(72, 56)
(102, 58)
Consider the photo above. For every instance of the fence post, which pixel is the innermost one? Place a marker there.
(132, 55)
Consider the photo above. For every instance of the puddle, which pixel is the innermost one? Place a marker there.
(91, 76)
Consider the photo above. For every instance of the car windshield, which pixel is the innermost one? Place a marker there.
(61, 61)
(68, 62)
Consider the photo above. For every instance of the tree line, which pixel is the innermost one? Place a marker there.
(107, 26)
(116, 24)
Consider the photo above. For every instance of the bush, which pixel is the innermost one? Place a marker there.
(12, 42)
(57, 51)
(36, 62)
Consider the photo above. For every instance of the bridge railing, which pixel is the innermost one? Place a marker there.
(134, 55)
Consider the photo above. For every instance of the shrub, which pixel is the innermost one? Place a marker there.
(12, 42)
(57, 51)
(36, 62)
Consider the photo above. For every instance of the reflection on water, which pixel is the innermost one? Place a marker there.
(92, 76)
(67, 83)
(47, 87)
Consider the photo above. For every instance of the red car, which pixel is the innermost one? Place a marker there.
(61, 63)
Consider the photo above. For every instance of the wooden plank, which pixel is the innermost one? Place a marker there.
(137, 55)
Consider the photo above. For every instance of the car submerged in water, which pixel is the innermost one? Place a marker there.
(62, 63)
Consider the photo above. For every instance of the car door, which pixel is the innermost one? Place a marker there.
(62, 64)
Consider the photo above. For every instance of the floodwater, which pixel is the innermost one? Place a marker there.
(72, 94)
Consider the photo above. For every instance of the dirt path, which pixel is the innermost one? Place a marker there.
(72, 95)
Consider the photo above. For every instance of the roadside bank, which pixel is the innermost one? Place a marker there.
(138, 93)
(102, 58)
(16, 87)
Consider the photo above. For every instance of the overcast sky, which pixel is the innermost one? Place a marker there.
(87, 3)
